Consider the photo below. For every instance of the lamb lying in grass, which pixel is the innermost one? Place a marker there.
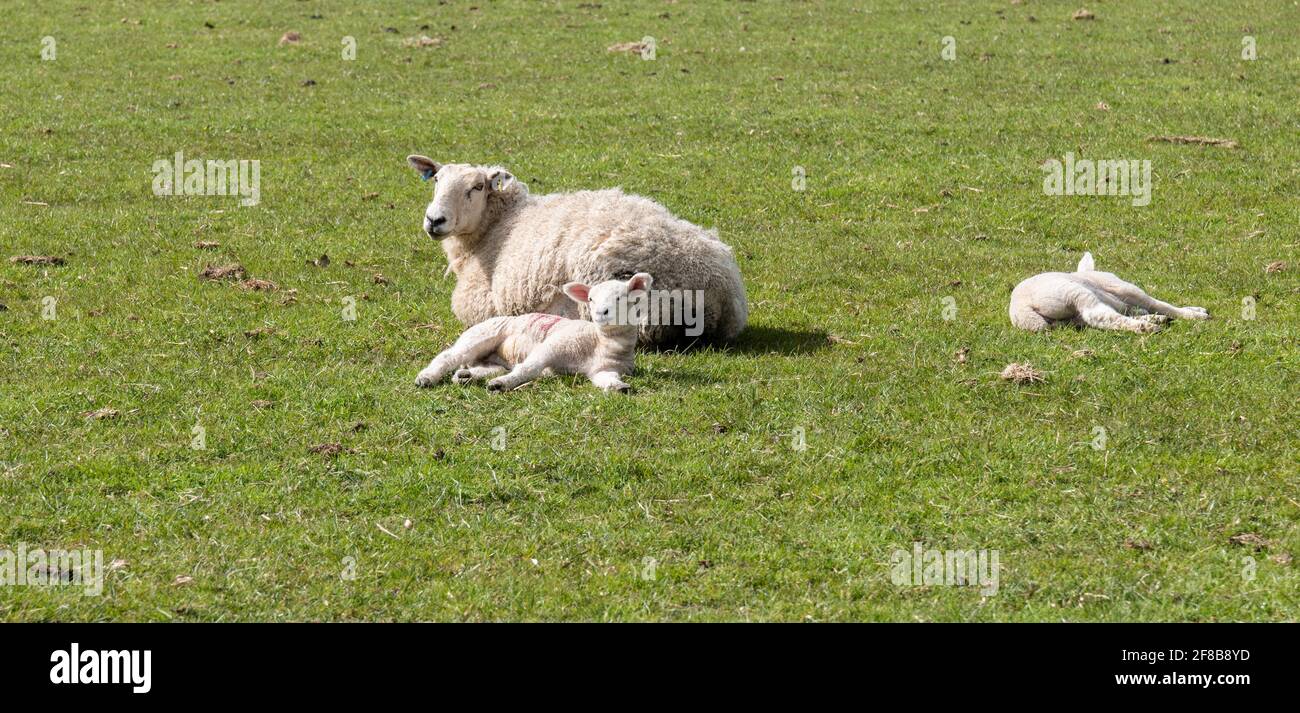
(1093, 299)
(531, 344)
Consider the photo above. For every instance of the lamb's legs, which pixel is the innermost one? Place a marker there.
(1151, 304)
(524, 372)
(609, 381)
(1133, 295)
(1095, 313)
(476, 343)
(466, 374)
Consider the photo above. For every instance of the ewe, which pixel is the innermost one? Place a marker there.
(1093, 299)
(512, 251)
(530, 344)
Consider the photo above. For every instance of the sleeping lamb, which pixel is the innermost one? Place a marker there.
(1093, 299)
(530, 344)
(512, 251)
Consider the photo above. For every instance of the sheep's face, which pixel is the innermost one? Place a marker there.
(460, 195)
(613, 302)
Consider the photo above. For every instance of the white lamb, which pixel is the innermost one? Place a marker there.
(531, 344)
(1093, 299)
(512, 251)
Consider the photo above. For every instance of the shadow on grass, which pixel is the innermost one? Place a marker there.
(769, 340)
(759, 340)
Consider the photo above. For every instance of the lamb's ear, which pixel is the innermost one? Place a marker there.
(577, 292)
(640, 281)
(423, 165)
(1086, 264)
(500, 180)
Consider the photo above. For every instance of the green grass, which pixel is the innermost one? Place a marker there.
(697, 470)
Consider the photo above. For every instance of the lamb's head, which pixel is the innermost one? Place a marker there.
(613, 303)
(464, 196)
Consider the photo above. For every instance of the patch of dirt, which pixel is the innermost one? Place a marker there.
(290, 38)
(1083, 354)
(634, 47)
(962, 356)
(379, 279)
(258, 285)
(423, 41)
(330, 450)
(1022, 374)
(260, 332)
(207, 245)
(1199, 140)
(1275, 266)
(261, 404)
(1250, 539)
(1139, 545)
(37, 260)
(101, 414)
(1083, 14)
(223, 272)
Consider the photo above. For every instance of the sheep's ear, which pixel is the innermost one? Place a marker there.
(423, 165)
(499, 180)
(577, 292)
(640, 281)
(1086, 264)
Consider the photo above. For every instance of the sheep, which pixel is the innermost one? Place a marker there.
(602, 349)
(1093, 299)
(511, 251)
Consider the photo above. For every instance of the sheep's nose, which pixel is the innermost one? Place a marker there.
(434, 227)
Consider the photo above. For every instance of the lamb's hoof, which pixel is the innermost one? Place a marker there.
(1197, 313)
(1148, 327)
(496, 386)
(426, 378)
(623, 389)
(463, 376)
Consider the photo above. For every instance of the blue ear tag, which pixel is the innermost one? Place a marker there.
(426, 174)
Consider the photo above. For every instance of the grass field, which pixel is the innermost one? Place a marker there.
(689, 500)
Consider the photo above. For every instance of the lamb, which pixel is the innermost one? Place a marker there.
(1091, 298)
(531, 344)
(512, 251)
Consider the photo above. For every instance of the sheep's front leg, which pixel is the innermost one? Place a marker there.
(524, 372)
(609, 381)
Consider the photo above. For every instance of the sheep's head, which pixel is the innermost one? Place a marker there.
(613, 302)
(462, 194)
